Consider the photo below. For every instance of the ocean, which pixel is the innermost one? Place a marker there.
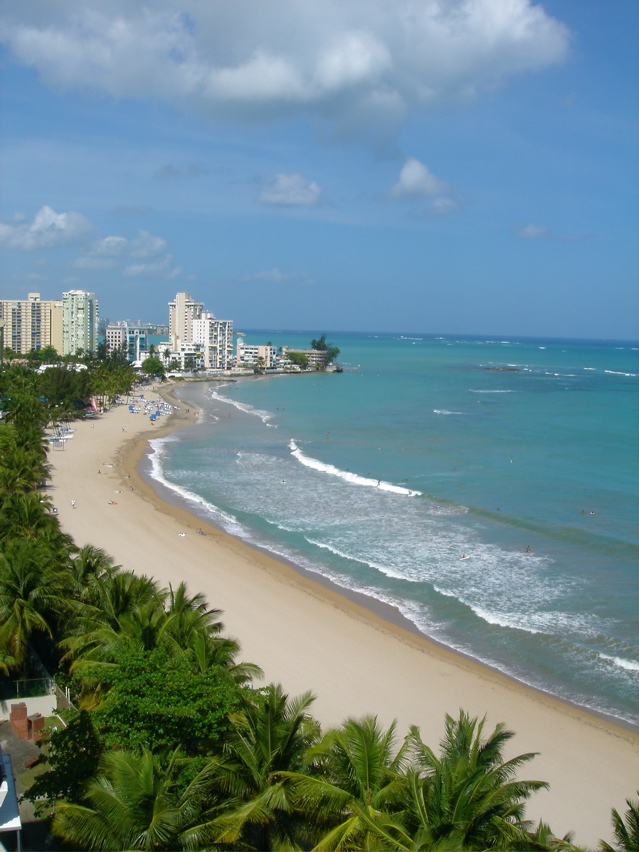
(485, 488)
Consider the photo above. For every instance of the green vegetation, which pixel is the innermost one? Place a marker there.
(174, 746)
(320, 345)
(298, 358)
(153, 366)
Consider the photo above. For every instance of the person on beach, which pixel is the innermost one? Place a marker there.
(73, 504)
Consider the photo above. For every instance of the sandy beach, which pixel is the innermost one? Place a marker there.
(307, 636)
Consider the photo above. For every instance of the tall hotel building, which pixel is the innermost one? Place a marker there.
(31, 324)
(79, 322)
(194, 329)
(182, 311)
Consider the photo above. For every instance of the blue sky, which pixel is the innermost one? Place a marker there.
(435, 166)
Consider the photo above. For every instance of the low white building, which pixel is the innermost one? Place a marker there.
(251, 355)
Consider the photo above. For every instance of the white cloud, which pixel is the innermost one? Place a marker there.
(416, 181)
(348, 62)
(533, 232)
(108, 247)
(162, 268)
(290, 190)
(47, 230)
(146, 245)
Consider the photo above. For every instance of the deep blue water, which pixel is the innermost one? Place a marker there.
(423, 472)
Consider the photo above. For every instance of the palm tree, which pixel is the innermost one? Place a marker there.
(467, 798)
(626, 829)
(359, 779)
(32, 596)
(21, 470)
(27, 516)
(193, 630)
(89, 568)
(135, 803)
(270, 741)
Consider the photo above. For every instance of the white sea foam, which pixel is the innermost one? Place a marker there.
(628, 665)
(157, 446)
(376, 566)
(444, 411)
(264, 416)
(617, 373)
(347, 476)
(472, 390)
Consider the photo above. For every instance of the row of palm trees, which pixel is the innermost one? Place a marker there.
(279, 784)
(270, 778)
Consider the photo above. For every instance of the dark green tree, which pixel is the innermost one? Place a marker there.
(153, 366)
(72, 755)
(156, 701)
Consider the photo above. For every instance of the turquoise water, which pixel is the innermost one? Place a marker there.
(421, 475)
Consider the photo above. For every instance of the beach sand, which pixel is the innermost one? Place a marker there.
(307, 636)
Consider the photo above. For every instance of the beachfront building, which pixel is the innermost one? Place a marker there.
(214, 338)
(248, 355)
(31, 324)
(182, 311)
(188, 358)
(316, 357)
(79, 322)
(196, 333)
(132, 341)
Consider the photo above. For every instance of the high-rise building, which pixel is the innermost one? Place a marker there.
(182, 311)
(79, 322)
(214, 337)
(31, 324)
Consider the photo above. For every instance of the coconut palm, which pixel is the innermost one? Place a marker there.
(90, 566)
(270, 741)
(193, 630)
(134, 802)
(27, 516)
(32, 596)
(359, 779)
(21, 470)
(626, 829)
(220, 652)
(468, 797)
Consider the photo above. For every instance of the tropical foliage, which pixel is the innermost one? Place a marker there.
(626, 829)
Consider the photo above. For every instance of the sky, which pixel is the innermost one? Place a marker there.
(432, 166)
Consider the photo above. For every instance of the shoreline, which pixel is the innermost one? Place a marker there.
(391, 617)
(309, 634)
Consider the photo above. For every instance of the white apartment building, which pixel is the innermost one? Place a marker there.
(196, 333)
(214, 338)
(79, 322)
(133, 340)
(182, 311)
(248, 354)
(31, 324)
